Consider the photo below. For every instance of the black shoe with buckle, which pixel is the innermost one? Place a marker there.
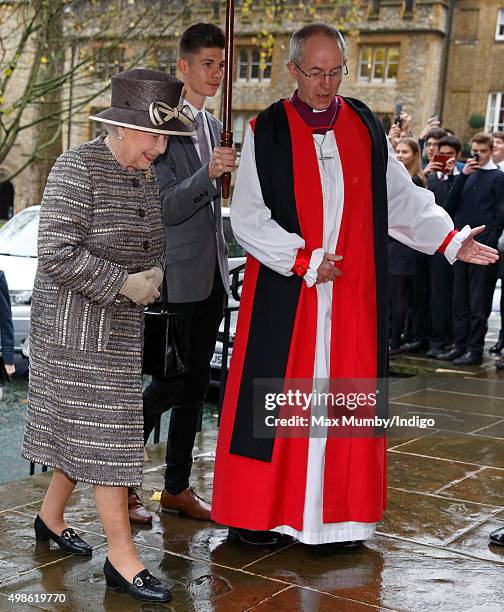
(145, 586)
(497, 537)
(68, 540)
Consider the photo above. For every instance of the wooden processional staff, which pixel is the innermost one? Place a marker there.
(227, 134)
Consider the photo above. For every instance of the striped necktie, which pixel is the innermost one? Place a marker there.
(204, 149)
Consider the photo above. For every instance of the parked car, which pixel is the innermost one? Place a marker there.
(18, 260)
(237, 257)
(236, 254)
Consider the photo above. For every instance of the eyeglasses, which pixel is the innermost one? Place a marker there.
(335, 73)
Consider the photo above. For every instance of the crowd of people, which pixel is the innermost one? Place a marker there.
(436, 308)
(137, 212)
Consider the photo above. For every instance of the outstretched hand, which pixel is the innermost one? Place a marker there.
(475, 252)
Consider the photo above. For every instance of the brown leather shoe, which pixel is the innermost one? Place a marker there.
(187, 503)
(136, 510)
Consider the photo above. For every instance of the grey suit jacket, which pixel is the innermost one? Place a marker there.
(194, 238)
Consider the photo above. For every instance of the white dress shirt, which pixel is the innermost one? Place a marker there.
(490, 165)
(414, 217)
(443, 176)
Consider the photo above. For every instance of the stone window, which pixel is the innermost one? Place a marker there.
(409, 6)
(378, 63)
(253, 65)
(108, 62)
(240, 124)
(495, 113)
(465, 25)
(374, 7)
(166, 60)
(499, 32)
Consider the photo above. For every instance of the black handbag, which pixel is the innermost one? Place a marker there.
(163, 353)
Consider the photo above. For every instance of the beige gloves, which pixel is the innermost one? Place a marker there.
(142, 287)
(158, 276)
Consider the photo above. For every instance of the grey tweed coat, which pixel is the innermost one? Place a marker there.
(98, 222)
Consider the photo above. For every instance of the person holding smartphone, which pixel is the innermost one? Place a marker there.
(476, 198)
(441, 275)
(401, 258)
(401, 128)
(498, 158)
(431, 149)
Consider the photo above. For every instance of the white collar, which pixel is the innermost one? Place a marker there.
(490, 165)
(193, 109)
(444, 177)
(501, 165)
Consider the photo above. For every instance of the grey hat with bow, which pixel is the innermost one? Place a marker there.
(148, 100)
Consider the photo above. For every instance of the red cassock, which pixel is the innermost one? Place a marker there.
(266, 492)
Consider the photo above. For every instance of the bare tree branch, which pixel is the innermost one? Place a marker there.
(96, 29)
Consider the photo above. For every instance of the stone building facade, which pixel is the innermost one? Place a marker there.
(475, 84)
(432, 56)
(394, 54)
(397, 57)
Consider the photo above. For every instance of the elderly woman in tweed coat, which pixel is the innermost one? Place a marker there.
(100, 261)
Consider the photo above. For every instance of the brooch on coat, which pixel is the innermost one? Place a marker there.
(148, 174)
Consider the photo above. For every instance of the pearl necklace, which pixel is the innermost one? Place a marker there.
(148, 176)
(109, 147)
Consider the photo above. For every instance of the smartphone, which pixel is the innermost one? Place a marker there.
(398, 111)
(475, 156)
(442, 158)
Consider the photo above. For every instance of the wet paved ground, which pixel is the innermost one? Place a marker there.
(12, 422)
(446, 493)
